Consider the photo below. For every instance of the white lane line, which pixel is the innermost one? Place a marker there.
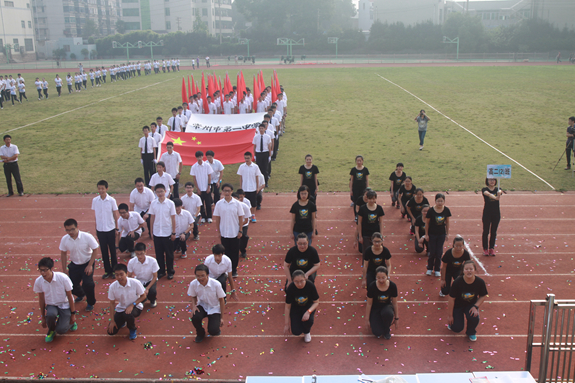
(474, 257)
(241, 303)
(468, 131)
(82, 107)
(282, 276)
(183, 336)
(563, 207)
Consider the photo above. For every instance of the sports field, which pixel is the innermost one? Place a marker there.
(69, 143)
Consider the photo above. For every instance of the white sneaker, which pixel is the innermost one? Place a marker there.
(421, 147)
(203, 220)
(429, 272)
(154, 304)
(438, 273)
(209, 220)
(441, 293)
(307, 337)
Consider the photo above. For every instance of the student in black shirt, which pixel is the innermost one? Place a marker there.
(397, 177)
(370, 220)
(405, 193)
(374, 256)
(419, 229)
(309, 174)
(491, 214)
(381, 308)
(362, 200)
(436, 232)
(465, 297)
(452, 262)
(414, 207)
(358, 180)
(301, 257)
(301, 301)
(303, 214)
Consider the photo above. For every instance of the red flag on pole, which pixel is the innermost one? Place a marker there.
(278, 90)
(256, 95)
(184, 98)
(274, 93)
(230, 146)
(189, 90)
(221, 95)
(262, 82)
(193, 86)
(204, 97)
(211, 90)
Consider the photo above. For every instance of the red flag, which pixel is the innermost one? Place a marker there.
(184, 90)
(221, 95)
(256, 94)
(229, 146)
(278, 90)
(262, 82)
(189, 90)
(274, 94)
(204, 97)
(211, 86)
(194, 91)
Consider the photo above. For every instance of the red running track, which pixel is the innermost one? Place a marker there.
(534, 258)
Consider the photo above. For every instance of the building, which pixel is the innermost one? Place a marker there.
(365, 15)
(58, 19)
(408, 12)
(560, 13)
(17, 31)
(163, 16)
(493, 14)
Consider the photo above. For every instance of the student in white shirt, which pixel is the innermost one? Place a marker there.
(145, 269)
(58, 82)
(217, 176)
(220, 266)
(229, 217)
(183, 118)
(207, 301)
(202, 173)
(249, 173)
(163, 222)
(45, 87)
(195, 107)
(22, 90)
(228, 105)
(175, 123)
(69, 83)
(161, 177)
(187, 111)
(213, 109)
(106, 212)
(57, 306)
(246, 206)
(140, 199)
(193, 203)
(162, 129)
(92, 76)
(84, 79)
(82, 247)
(243, 106)
(173, 162)
(130, 225)
(129, 293)
(148, 151)
(38, 84)
(263, 146)
(155, 135)
(184, 226)
(9, 157)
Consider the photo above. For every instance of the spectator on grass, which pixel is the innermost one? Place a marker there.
(359, 180)
(57, 306)
(207, 301)
(436, 233)
(451, 264)
(303, 215)
(570, 139)
(145, 269)
(302, 300)
(422, 121)
(126, 296)
(163, 224)
(381, 308)
(82, 248)
(414, 207)
(220, 266)
(369, 220)
(374, 256)
(491, 215)
(106, 213)
(309, 173)
(9, 155)
(396, 178)
(466, 295)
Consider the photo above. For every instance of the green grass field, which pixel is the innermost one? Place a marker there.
(334, 114)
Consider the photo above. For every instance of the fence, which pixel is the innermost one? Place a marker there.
(557, 346)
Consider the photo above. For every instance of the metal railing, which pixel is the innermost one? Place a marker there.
(557, 346)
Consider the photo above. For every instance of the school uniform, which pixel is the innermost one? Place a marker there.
(193, 204)
(162, 230)
(144, 272)
(175, 124)
(11, 168)
(45, 88)
(39, 88)
(173, 162)
(217, 167)
(183, 222)
(229, 213)
(147, 145)
(126, 296)
(208, 305)
(106, 230)
(202, 173)
(164, 179)
(142, 202)
(56, 301)
(219, 271)
(262, 143)
(125, 226)
(80, 250)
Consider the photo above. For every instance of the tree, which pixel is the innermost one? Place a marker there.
(73, 56)
(93, 54)
(59, 54)
(90, 29)
(200, 26)
(469, 29)
(121, 26)
(85, 52)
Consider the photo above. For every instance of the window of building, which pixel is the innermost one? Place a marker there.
(29, 45)
(29, 24)
(23, 24)
(15, 44)
(194, 11)
(129, 1)
(132, 26)
(204, 11)
(168, 25)
(66, 48)
(131, 12)
(9, 3)
(167, 11)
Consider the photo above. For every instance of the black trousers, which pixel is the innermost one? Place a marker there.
(164, 248)
(380, 320)
(206, 209)
(262, 160)
(244, 239)
(39, 93)
(107, 241)
(127, 243)
(77, 276)
(152, 293)
(223, 279)
(459, 315)
(213, 322)
(181, 245)
(232, 246)
(299, 326)
(128, 319)
(149, 167)
(216, 191)
(11, 169)
(448, 279)
(176, 193)
(45, 92)
(59, 89)
(490, 225)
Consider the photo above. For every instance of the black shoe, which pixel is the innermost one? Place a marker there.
(79, 299)
(199, 338)
(170, 276)
(243, 254)
(387, 336)
(10, 194)
(257, 208)
(107, 275)
(235, 274)
(21, 194)
(161, 275)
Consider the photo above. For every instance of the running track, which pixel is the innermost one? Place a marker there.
(534, 258)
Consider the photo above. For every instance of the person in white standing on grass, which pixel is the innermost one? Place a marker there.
(422, 121)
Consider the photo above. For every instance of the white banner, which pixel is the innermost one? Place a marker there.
(221, 123)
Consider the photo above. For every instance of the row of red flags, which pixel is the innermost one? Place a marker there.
(214, 83)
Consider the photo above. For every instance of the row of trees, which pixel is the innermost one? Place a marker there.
(525, 36)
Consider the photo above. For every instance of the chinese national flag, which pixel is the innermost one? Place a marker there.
(229, 147)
